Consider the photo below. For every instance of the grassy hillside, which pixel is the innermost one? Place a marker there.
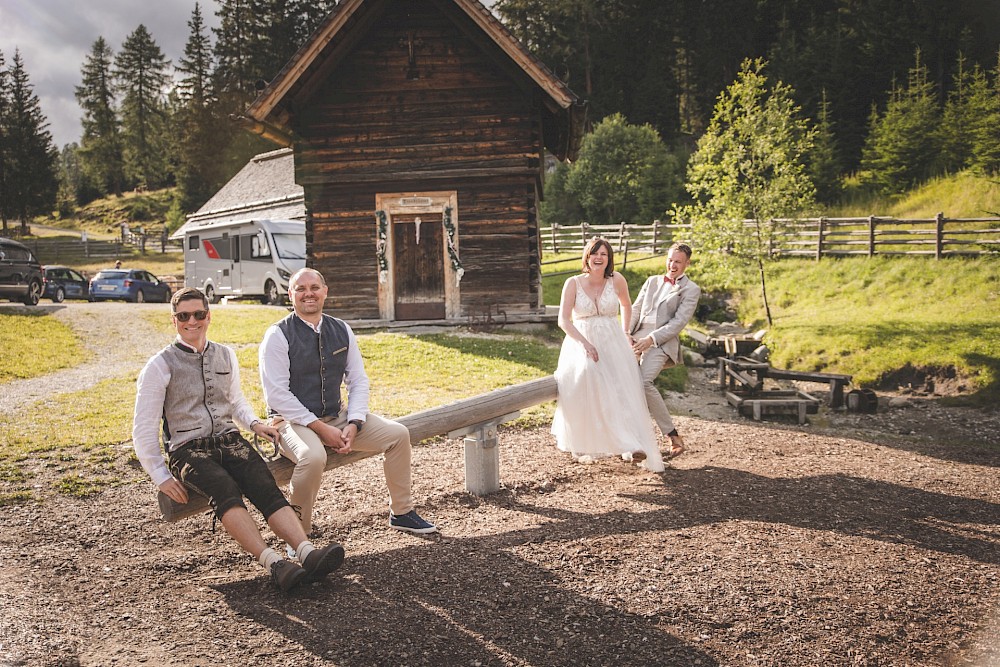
(964, 195)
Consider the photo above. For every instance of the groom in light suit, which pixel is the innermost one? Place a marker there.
(659, 314)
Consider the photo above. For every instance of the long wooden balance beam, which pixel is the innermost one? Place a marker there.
(444, 419)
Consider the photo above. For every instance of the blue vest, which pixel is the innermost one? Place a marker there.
(316, 362)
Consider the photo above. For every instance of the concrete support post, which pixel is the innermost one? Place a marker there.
(482, 462)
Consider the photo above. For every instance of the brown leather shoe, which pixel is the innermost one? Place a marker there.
(639, 457)
(321, 562)
(286, 575)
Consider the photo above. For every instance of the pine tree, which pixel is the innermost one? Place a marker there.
(5, 211)
(903, 147)
(824, 160)
(101, 143)
(200, 132)
(957, 120)
(141, 74)
(984, 100)
(31, 176)
(234, 44)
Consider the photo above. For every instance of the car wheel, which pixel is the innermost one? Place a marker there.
(34, 293)
(271, 295)
(60, 295)
(140, 297)
(210, 294)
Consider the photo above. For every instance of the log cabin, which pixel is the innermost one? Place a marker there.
(419, 130)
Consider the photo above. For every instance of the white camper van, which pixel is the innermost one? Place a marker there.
(248, 258)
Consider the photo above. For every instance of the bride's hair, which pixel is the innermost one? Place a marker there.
(593, 244)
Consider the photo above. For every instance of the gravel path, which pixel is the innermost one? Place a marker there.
(118, 337)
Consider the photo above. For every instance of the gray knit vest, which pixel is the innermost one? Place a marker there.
(198, 401)
(316, 362)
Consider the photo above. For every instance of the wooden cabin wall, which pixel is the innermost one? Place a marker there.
(463, 126)
(498, 244)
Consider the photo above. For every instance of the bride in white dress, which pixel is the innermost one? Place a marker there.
(602, 408)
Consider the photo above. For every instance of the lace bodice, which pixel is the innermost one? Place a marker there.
(605, 306)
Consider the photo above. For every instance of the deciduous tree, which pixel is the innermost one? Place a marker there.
(750, 165)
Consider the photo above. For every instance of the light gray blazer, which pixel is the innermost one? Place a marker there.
(674, 307)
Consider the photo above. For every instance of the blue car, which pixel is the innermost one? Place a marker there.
(61, 282)
(133, 285)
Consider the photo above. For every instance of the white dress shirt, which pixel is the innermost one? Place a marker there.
(151, 388)
(275, 376)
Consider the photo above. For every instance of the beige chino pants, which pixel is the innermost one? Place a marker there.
(303, 447)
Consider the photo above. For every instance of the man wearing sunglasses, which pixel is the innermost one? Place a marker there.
(191, 389)
(304, 358)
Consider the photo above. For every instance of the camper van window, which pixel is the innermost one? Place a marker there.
(290, 246)
(258, 245)
(193, 243)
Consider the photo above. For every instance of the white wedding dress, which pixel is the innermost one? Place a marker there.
(602, 407)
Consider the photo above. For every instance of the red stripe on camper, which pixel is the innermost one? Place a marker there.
(210, 249)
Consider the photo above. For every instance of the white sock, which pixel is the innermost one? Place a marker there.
(303, 550)
(268, 557)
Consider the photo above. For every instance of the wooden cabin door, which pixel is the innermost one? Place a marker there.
(418, 249)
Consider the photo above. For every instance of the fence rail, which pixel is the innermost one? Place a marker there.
(808, 237)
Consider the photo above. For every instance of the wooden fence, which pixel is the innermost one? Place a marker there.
(807, 237)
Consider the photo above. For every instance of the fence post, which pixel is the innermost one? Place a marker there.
(656, 225)
(871, 235)
(583, 232)
(819, 239)
(621, 236)
(555, 245)
(625, 255)
(939, 235)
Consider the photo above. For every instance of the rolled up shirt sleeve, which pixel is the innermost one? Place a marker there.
(151, 389)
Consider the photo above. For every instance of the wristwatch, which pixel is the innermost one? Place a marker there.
(357, 424)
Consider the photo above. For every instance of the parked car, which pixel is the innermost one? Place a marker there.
(20, 273)
(61, 282)
(129, 284)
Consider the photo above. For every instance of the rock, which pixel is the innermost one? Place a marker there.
(692, 358)
(759, 335)
(900, 402)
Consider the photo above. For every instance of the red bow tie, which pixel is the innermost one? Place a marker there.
(672, 281)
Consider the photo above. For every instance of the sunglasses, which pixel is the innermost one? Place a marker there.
(198, 315)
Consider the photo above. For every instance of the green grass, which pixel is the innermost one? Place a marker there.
(870, 317)
(33, 344)
(79, 435)
(963, 195)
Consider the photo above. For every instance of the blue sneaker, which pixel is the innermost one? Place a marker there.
(411, 523)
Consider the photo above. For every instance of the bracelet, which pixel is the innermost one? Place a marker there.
(357, 424)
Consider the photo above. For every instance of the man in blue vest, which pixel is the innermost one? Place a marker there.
(191, 389)
(304, 358)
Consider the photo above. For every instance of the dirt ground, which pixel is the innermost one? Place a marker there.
(852, 540)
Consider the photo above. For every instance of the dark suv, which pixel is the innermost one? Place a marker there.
(20, 273)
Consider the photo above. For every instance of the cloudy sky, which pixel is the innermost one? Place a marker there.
(55, 36)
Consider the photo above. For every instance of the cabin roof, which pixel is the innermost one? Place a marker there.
(270, 112)
(264, 188)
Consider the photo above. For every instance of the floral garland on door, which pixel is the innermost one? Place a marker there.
(382, 244)
(449, 228)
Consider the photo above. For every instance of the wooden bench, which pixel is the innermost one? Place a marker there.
(478, 416)
(774, 401)
(733, 370)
